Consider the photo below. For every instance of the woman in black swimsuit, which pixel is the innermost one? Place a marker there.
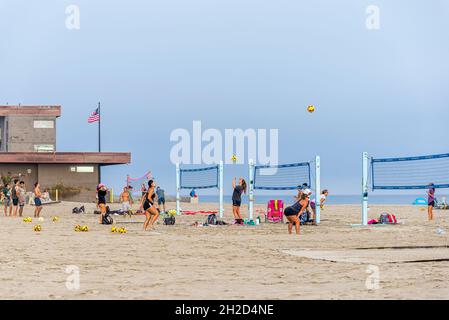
(102, 191)
(149, 206)
(294, 212)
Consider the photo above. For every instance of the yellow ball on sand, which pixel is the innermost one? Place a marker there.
(55, 219)
(114, 229)
(122, 230)
(37, 228)
(311, 109)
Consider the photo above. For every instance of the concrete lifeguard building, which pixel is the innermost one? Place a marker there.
(28, 152)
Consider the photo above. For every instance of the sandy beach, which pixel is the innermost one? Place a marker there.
(329, 261)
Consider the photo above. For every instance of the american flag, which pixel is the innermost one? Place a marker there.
(94, 117)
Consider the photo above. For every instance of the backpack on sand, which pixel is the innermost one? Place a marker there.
(107, 219)
(211, 219)
(169, 221)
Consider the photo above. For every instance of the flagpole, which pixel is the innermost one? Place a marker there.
(99, 139)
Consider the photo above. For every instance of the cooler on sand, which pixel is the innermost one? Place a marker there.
(275, 211)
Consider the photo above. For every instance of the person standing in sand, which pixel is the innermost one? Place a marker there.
(161, 197)
(37, 200)
(102, 191)
(15, 197)
(293, 213)
(237, 199)
(148, 205)
(22, 197)
(6, 197)
(430, 201)
(126, 200)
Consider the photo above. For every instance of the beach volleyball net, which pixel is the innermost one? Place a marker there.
(406, 173)
(210, 177)
(410, 173)
(285, 177)
(282, 177)
(136, 183)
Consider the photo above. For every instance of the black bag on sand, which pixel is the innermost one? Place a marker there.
(107, 219)
(169, 221)
(211, 219)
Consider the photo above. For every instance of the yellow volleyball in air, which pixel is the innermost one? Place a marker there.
(234, 158)
(311, 109)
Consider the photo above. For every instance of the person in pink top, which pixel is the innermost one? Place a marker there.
(430, 201)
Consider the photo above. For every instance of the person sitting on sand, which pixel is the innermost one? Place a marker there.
(46, 196)
(237, 199)
(102, 191)
(293, 213)
(149, 206)
(126, 200)
(430, 201)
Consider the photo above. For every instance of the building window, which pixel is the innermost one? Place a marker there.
(44, 124)
(85, 169)
(44, 148)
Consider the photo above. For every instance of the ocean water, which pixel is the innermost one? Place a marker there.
(332, 199)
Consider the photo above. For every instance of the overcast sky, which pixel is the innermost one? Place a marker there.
(159, 65)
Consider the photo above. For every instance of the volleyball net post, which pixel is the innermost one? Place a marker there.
(220, 189)
(365, 188)
(317, 189)
(178, 189)
(251, 190)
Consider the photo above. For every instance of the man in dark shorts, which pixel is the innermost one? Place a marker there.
(37, 200)
(15, 197)
(161, 197)
(239, 189)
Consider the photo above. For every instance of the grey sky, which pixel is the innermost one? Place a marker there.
(159, 65)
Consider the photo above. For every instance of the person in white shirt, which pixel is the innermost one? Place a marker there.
(323, 198)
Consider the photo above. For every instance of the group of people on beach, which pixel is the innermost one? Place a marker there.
(153, 197)
(303, 204)
(13, 198)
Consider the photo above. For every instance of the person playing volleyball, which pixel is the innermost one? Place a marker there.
(101, 200)
(430, 201)
(237, 199)
(293, 213)
(149, 206)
